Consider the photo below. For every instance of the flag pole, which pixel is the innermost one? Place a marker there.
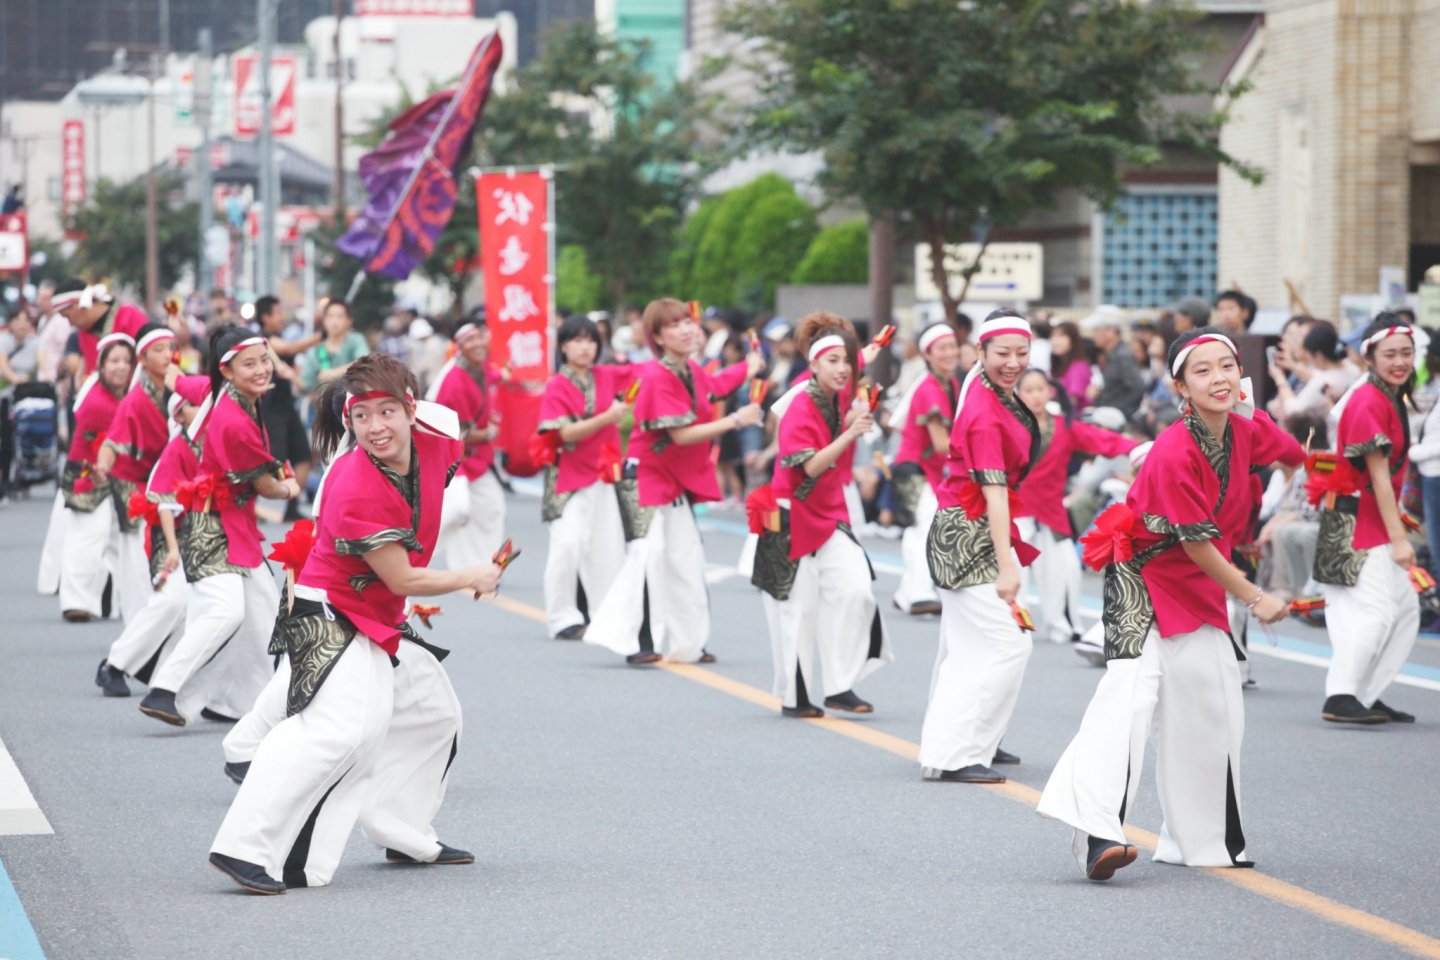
(426, 155)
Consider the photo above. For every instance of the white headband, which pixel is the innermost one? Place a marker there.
(64, 301)
(96, 291)
(934, 335)
(153, 337)
(248, 342)
(110, 339)
(1003, 325)
(829, 342)
(1184, 353)
(466, 331)
(1379, 335)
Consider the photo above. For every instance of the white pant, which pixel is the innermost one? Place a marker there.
(1190, 686)
(1055, 575)
(915, 583)
(1372, 628)
(47, 579)
(375, 744)
(472, 520)
(146, 633)
(132, 573)
(587, 547)
(221, 660)
(267, 713)
(978, 671)
(662, 583)
(91, 544)
(830, 612)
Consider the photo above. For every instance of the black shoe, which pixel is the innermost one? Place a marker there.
(1396, 716)
(111, 680)
(1004, 756)
(643, 658)
(160, 704)
(706, 657)
(1249, 685)
(1345, 708)
(77, 616)
(449, 856)
(251, 876)
(207, 714)
(925, 608)
(237, 771)
(572, 632)
(975, 773)
(1107, 856)
(848, 702)
(806, 711)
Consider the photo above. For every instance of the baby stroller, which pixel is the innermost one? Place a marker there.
(37, 444)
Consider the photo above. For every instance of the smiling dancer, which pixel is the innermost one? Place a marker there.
(1170, 656)
(580, 410)
(814, 573)
(474, 522)
(232, 600)
(136, 652)
(1364, 557)
(1043, 519)
(925, 414)
(371, 723)
(133, 444)
(659, 604)
(975, 554)
(91, 534)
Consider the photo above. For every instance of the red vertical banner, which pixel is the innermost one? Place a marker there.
(515, 260)
(72, 167)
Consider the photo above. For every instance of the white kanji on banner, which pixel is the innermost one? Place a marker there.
(526, 348)
(515, 207)
(519, 304)
(513, 257)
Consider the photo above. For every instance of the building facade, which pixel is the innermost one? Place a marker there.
(1344, 119)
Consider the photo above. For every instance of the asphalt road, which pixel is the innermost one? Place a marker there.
(624, 813)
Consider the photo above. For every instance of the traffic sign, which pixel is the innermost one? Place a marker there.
(1008, 271)
(247, 95)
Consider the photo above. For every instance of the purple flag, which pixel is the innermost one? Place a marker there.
(412, 196)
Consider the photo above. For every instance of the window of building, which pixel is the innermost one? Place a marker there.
(1158, 247)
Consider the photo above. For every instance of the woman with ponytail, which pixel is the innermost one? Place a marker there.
(221, 657)
(1172, 665)
(1363, 559)
(1043, 519)
(91, 531)
(360, 721)
(814, 573)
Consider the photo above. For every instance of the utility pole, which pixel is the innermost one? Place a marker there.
(152, 239)
(269, 196)
(337, 188)
(204, 77)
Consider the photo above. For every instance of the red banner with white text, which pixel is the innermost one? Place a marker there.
(515, 260)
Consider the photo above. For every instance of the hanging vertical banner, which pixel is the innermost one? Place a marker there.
(72, 168)
(515, 260)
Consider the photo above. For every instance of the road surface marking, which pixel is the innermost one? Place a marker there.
(19, 813)
(1253, 881)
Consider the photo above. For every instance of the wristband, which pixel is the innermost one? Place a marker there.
(1256, 602)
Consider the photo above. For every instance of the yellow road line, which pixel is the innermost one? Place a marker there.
(1253, 881)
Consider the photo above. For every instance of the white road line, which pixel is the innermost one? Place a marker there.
(19, 813)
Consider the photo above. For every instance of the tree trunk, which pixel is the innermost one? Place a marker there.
(935, 233)
(882, 285)
(973, 269)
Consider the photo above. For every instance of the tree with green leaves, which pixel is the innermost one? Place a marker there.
(112, 227)
(955, 118)
(625, 144)
(838, 254)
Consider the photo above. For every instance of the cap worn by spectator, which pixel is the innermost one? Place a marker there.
(1104, 316)
(777, 329)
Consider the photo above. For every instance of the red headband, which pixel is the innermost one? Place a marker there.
(354, 398)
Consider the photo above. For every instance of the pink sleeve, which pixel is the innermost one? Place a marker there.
(1172, 487)
(1076, 381)
(1274, 445)
(727, 381)
(453, 394)
(557, 405)
(1364, 425)
(663, 402)
(802, 430)
(123, 430)
(1102, 442)
(239, 447)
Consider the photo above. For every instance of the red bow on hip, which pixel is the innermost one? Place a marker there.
(205, 492)
(140, 508)
(1326, 481)
(1112, 540)
(544, 448)
(292, 552)
(972, 500)
(762, 511)
(611, 466)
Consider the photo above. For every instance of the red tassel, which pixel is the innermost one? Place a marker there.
(762, 511)
(294, 550)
